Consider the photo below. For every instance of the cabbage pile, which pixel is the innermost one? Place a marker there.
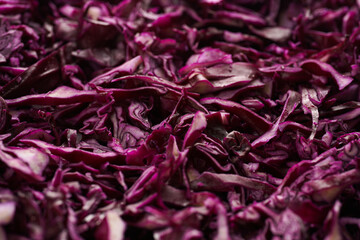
(179, 119)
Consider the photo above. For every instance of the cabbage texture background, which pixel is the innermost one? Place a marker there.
(179, 119)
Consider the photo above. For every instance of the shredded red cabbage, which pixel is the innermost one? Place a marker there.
(179, 119)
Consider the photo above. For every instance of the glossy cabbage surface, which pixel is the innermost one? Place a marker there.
(179, 119)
